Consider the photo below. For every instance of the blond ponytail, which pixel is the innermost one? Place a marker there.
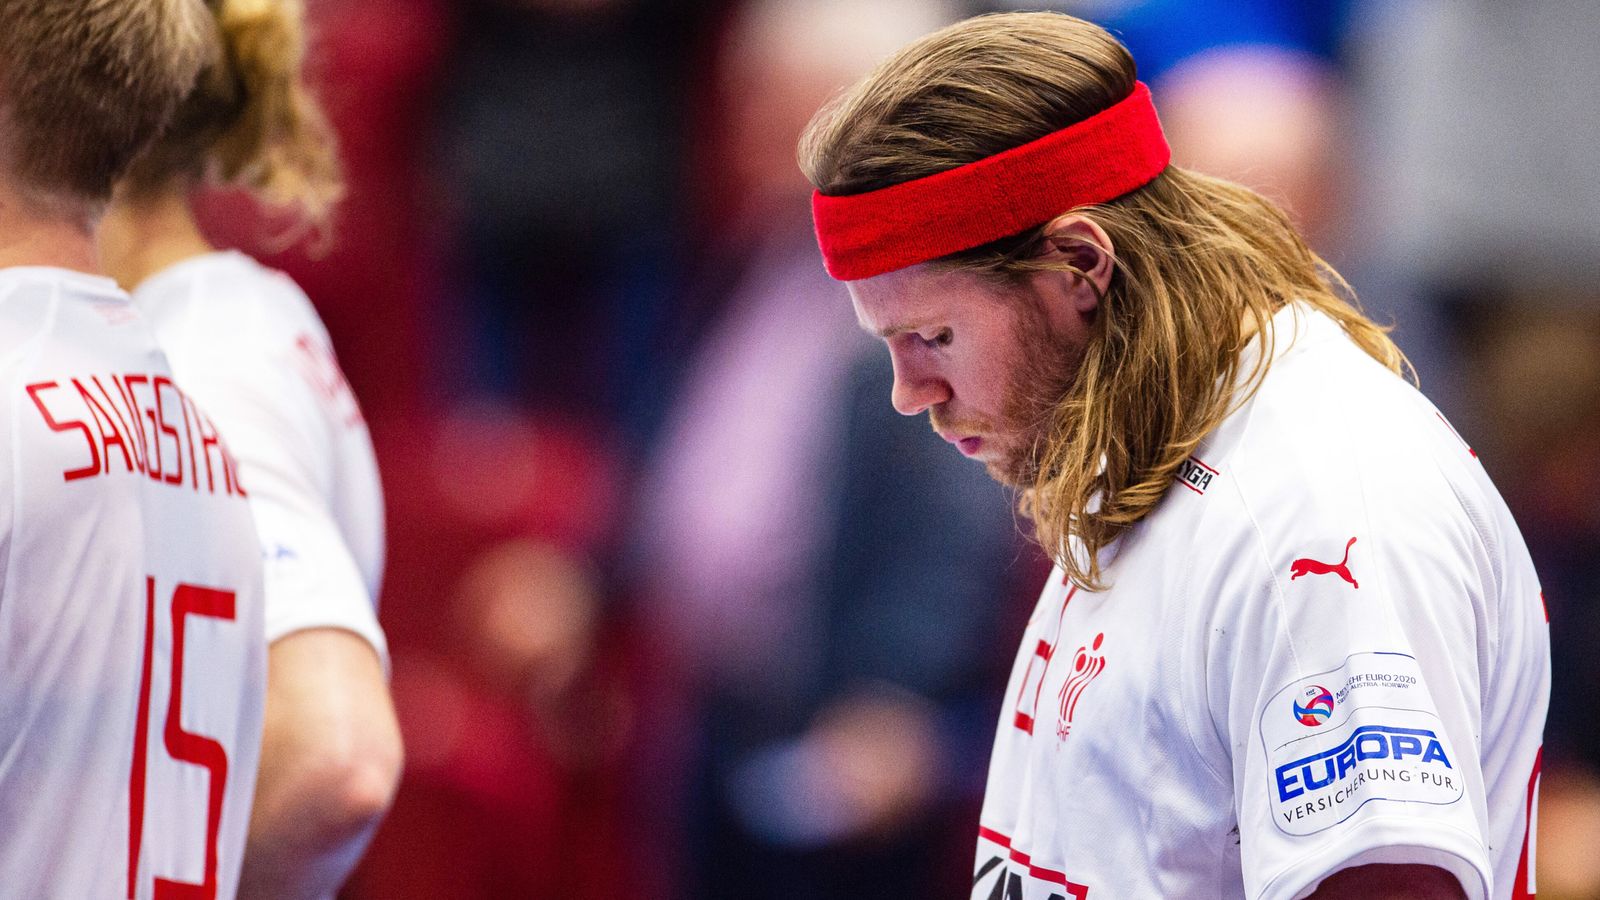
(252, 122)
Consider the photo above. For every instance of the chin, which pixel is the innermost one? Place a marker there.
(1007, 474)
(1009, 467)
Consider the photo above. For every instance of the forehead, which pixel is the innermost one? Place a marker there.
(919, 295)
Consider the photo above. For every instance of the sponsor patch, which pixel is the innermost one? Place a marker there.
(1195, 475)
(1366, 731)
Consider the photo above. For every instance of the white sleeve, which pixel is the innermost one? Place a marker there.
(282, 433)
(1353, 709)
(8, 443)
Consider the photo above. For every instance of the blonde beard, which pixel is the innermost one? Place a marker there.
(1036, 387)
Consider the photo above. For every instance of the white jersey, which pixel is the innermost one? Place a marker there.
(1325, 648)
(132, 665)
(246, 342)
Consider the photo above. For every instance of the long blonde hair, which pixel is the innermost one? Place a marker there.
(251, 121)
(1201, 264)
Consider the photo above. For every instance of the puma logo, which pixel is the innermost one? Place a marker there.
(1313, 567)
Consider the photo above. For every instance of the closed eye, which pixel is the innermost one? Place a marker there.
(941, 338)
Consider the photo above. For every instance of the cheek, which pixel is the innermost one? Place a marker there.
(980, 380)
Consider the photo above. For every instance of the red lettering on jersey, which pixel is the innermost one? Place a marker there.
(165, 427)
(320, 368)
(230, 465)
(135, 445)
(136, 782)
(145, 412)
(119, 415)
(93, 468)
(211, 441)
(208, 440)
(188, 433)
(124, 388)
(193, 748)
(109, 434)
(1045, 650)
(183, 746)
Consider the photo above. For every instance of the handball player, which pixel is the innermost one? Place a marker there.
(247, 343)
(132, 665)
(1293, 645)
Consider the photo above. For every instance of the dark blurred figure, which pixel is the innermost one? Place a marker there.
(834, 584)
(512, 675)
(511, 786)
(1248, 90)
(562, 133)
(1534, 386)
(1478, 202)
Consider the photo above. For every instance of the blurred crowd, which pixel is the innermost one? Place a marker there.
(678, 607)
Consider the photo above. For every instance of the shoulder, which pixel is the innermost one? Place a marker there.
(1334, 468)
(25, 314)
(55, 320)
(227, 301)
(1335, 442)
(246, 342)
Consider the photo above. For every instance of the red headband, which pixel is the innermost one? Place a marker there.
(1101, 158)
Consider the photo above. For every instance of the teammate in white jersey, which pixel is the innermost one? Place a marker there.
(1294, 645)
(247, 343)
(132, 665)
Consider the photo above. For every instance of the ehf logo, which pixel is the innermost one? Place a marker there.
(1087, 663)
(1313, 706)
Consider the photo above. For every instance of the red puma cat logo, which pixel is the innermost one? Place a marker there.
(1313, 567)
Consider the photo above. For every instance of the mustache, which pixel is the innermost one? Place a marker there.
(943, 422)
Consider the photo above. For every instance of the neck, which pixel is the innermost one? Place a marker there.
(140, 237)
(34, 236)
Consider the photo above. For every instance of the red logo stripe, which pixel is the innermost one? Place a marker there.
(1074, 890)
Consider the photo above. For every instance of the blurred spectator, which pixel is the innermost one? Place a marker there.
(562, 135)
(836, 582)
(517, 734)
(1569, 821)
(512, 675)
(1248, 90)
(478, 474)
(1479, 168)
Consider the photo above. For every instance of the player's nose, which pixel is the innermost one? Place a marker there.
(915, 391)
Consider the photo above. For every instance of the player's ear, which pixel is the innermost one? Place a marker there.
(1079, 242)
